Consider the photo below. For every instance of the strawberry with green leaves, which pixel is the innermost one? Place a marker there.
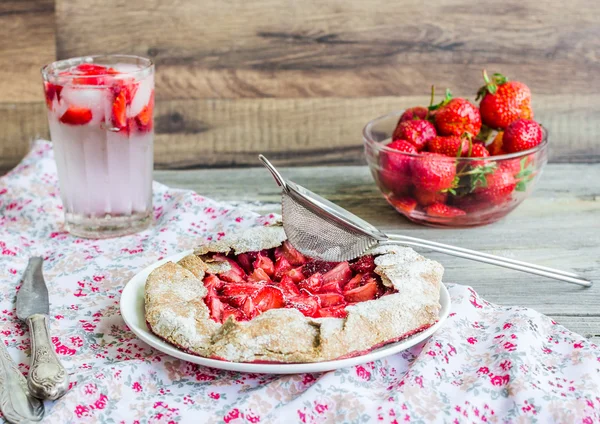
(456, 116)
(503, 101)
(433, 172)
(497, 186)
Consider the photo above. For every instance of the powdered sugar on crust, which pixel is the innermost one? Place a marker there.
(285, 335)
(250, 240)
(175, 308)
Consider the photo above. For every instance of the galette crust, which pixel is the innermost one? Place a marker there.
(176, 312)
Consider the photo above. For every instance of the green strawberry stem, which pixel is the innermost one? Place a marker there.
(491, 86)
(444, 102)
(500, 79)
(525, 175)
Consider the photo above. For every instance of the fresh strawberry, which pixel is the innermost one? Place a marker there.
(456, 117)
(338, 311)
(364, 264)
(395, 166)
(426, 197)
(416, 132)
(503, 101)
(292, 255)
(496, 146)
(479, 151)
(403, 204)
(119, 117)
(453, 145)
(76, 116)
(312, 284)
(235, 275)
(498, 186)
(412, 113)
(469, 203)
(512, 166)
(282, 266)
(268, 297)
(296, 274)
(265, 263)
(51, 91)
(288, 287)
(341, 273)
(259, 276)
(363, 293)
(308, 305)
(442, 210)
(433, 172)
(330, 299)
(144, 118)
(522, 134)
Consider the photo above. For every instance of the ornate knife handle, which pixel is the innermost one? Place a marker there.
(48, 379)
(17, 405)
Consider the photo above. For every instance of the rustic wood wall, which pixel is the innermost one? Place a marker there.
(298, 79)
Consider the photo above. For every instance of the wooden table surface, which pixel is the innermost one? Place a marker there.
(558, 226)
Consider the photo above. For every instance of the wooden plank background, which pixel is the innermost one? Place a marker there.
(299, 79)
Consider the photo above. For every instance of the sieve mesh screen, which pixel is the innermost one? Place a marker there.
(316, 235)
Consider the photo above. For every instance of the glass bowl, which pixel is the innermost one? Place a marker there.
(476, 191)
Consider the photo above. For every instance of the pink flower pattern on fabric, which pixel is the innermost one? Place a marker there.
(488, 363)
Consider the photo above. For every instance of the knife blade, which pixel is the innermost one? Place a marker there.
(47, 378)
(33, 294)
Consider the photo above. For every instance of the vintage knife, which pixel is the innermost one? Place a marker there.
(16, 403)
(47, 377)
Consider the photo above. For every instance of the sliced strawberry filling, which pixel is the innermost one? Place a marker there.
(284, 278)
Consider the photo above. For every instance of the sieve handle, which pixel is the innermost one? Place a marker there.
(491, 259)
(278, 178)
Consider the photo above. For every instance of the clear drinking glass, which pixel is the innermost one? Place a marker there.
(100, 111)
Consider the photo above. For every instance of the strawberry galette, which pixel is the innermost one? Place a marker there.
(253, 297)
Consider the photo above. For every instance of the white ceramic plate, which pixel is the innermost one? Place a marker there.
(132, 310)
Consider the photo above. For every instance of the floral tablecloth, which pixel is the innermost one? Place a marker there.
(486, 364)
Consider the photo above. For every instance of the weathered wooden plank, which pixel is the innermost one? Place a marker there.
(342, 48)
(201, 133)
(558, 226)
(21, 123)
(329, 130)
(27, 43)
